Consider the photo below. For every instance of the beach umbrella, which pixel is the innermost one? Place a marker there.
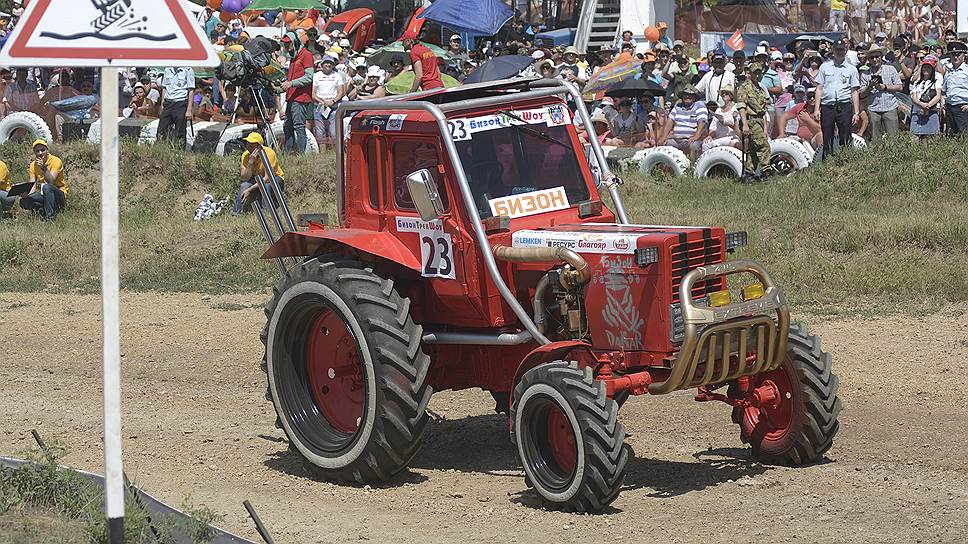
(402, 83)
(268, 5)
(501, 67)
(633, 88)
(383, 56)
(613, 73)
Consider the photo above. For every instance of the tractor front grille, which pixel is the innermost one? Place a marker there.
(689, 255)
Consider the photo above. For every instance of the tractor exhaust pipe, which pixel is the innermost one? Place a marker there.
(579, 274)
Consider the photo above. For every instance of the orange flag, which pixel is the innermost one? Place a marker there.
(735, 42)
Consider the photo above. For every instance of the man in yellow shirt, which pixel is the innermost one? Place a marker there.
(50, 185)
(6, 202)
(253, 172)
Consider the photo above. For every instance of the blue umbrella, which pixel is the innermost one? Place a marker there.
(481, 17)
(501, 67)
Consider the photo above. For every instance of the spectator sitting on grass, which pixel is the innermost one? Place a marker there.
(140, 106)
(206, 107)
(6, 202)
(722, 121)
(49, 193)
(624, 125)
(253, 173)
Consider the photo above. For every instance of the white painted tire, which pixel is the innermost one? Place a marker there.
(792, 154)
(312, 146)
(35, 126)
(715, 160)
(149, 133)
(231, 133)
(94, 133)
(856, 141)
(663, 156)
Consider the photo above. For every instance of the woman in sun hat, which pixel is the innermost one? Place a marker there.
(925, 100)
(372, 87)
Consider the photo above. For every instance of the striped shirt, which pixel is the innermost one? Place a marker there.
(687, 120)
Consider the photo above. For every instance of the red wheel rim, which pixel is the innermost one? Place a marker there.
(773, 422)
(335, 371)
(561, 439)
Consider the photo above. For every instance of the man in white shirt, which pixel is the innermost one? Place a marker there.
(328, 89)
(716, 79)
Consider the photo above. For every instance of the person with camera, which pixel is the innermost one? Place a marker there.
(299, 93)
(879, 85)
(49, 194)
(955, 89)
(925, 99)
(837, 103)
(253, 173)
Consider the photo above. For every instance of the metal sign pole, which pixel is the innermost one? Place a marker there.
(110, 307)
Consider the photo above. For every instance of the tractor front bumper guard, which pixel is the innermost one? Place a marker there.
(724, 343)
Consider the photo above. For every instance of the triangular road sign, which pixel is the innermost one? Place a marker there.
(107, 33)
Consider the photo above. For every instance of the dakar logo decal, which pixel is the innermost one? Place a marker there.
(623, 323)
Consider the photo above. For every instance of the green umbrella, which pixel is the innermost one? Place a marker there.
(402, 83)
(270, 5)
(383, 56)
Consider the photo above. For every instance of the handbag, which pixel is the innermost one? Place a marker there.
(928, 95)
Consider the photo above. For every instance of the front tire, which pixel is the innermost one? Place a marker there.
(568, 437)
(800, 428)
(346, 373)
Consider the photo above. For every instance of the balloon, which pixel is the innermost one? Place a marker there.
(226, 16)
(651, 33)
(245, 3)
(232, 6)
(214, 4)
(290, 17)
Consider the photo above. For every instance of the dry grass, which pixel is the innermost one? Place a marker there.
(880, 230)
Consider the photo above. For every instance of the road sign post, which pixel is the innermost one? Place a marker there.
(108, 34)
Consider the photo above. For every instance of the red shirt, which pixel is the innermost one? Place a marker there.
(428, 61)
(803, 131)
(297, 69)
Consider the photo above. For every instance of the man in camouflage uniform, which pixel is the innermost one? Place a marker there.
(751, 101)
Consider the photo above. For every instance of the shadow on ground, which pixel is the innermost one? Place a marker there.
(673, 478)
(289, 462)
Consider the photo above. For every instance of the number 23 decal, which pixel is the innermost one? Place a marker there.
(458, 129)
(436, 253)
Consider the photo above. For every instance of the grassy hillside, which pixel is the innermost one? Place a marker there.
(882, 230)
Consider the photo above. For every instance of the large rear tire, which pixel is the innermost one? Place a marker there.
(346, 372)
(800, 428)
(568, 437)
(32, 124)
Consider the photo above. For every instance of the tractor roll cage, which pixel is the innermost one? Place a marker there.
(412, 102)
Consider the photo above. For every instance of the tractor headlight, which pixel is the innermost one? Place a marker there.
(646, 255)
(735, 240)
(753, 291)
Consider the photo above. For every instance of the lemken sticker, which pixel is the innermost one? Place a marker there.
(531, 203)
(582, 242)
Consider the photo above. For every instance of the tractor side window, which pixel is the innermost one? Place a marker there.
(408, 157)
(373, 161)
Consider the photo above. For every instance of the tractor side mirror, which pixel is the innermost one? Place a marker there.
(423, 192)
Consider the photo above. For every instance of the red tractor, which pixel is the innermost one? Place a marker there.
(473, 249)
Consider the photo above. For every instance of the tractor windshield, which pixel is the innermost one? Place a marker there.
(519, 169)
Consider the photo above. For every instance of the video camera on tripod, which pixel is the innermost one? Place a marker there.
(252, 63)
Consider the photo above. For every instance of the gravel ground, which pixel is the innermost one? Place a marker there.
(196, 424)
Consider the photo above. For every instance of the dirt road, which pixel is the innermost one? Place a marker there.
(196, 423)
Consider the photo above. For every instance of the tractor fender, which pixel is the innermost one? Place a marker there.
(551, 352)
(313, 242)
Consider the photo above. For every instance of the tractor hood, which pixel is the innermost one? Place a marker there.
(636, 273)
(614, 239)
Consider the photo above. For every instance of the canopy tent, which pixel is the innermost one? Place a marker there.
(478, 17)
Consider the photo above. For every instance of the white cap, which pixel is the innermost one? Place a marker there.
(323, 38)
(344, 43)
(375, 71)
(538, 54)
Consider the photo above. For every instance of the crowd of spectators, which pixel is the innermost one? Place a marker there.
(899, 69)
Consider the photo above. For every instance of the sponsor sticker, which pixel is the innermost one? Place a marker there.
(582, 242)
(413, 224)
(464, 128)
(396, 121)
(531, 203)
(436, 246)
